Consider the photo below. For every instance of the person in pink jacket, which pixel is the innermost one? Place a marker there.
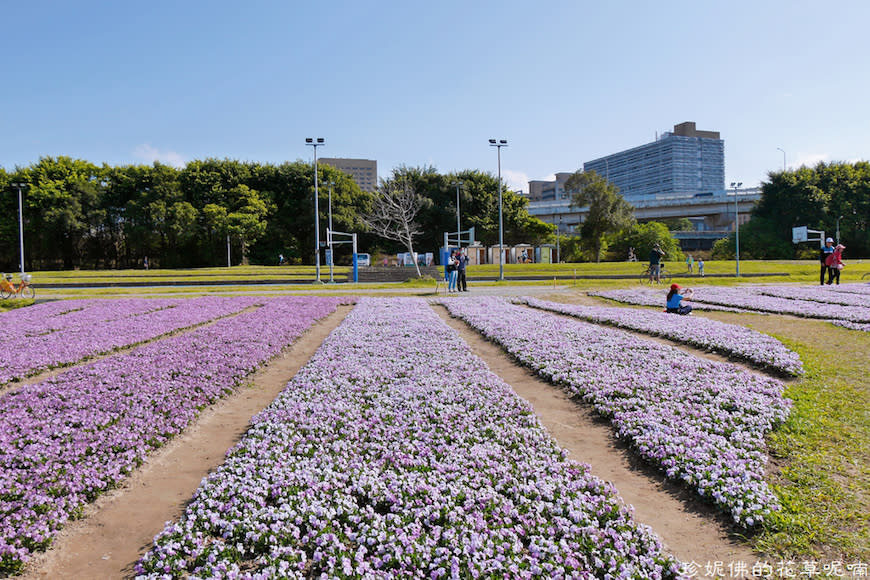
(834, 262)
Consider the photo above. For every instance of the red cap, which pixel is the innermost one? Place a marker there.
(675, 286)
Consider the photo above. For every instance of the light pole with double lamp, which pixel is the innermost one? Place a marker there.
(316, 143)
(19, 187)
(329, 237)
(735, 185)
(783, 157)
(499, 143)
(458, 184)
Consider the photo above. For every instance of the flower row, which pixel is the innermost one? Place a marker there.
(65, 440)
(752, 299)
(652, 297)
(825, 294)
(701, 422)
(730, 339)
(101, 326)
(395, 453)
(79, 313)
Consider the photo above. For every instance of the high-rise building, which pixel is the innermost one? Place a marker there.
(363, 171)
(685, 161)
(541, 190)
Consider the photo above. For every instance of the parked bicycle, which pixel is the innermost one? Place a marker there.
(22, 289)
(648, 275)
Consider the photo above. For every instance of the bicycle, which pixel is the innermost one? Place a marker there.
(22, 289)
(648, 277)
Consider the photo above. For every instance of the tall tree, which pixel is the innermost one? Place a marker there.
(823, 197)
(394, 214)
(607, 212)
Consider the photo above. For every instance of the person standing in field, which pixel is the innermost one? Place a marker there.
(827, 250)
(450, 269)
(461, 263)
(701, 267)
(655, 262)
(834, 262)
(690, 264)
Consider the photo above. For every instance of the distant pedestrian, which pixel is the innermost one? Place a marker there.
(834, 261)
(655, 262)
(461, 263)
(145, 262)
(280, 259)
(826, 251)
(701, 267)
(690, 264)
(450, 271)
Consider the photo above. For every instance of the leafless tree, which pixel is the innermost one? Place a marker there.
(392, 217)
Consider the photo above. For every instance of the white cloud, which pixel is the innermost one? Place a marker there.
(515, 180)
(149, 154)
(809, 159)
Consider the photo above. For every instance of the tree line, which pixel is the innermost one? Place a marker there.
(78, 214)
(823, 198)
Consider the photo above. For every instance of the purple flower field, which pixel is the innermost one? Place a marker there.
(729, 339)
(701, 422)
(100, 326)
(396, 453)
(762, 299)
(65, 440)
(652, 297)
(824, 294)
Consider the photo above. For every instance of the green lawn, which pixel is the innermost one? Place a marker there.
(794, 271)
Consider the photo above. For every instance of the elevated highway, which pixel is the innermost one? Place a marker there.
(712, 214)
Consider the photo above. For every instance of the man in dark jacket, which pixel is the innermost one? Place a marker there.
(461, 263)
(827, 250)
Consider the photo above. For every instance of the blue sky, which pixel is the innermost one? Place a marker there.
(427, 83)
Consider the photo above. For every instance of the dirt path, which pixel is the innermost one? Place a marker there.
(690, 530)
(119, 527)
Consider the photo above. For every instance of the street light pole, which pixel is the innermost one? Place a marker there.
(316, 143)
(783, 158)
(838, 229)
(19, 187)
(499, 144)
(558, 249)
(735, 185)
(329, 237)
(458, 184)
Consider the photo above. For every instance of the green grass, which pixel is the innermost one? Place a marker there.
(823, 452)
(796, 271)
(12, 303)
